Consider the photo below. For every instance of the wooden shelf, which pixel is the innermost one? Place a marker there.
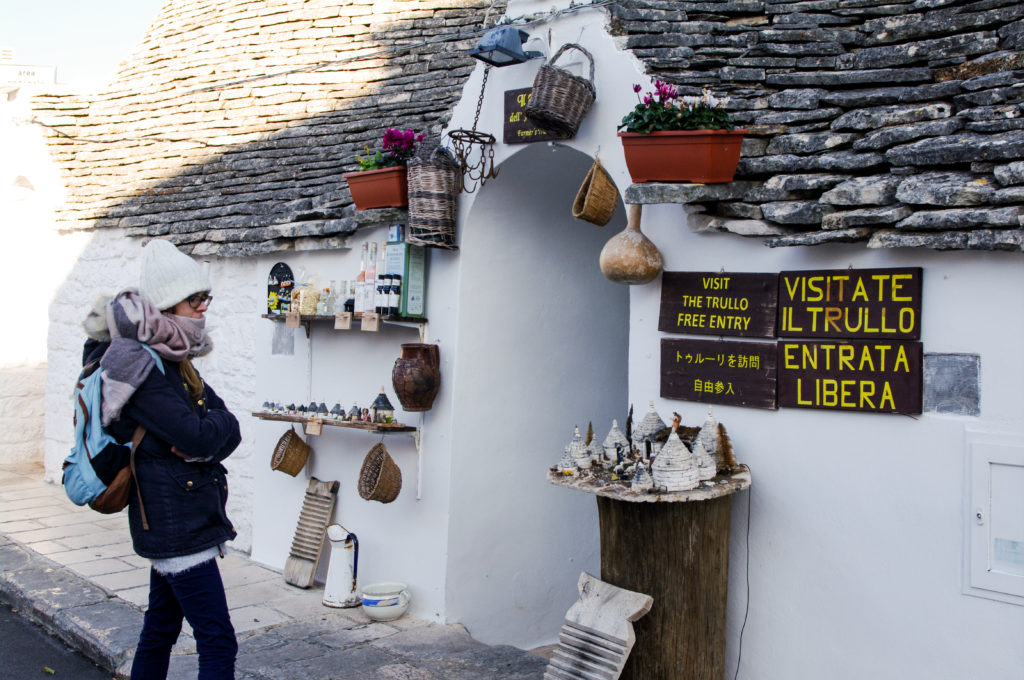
(375, 428)
(355, 317)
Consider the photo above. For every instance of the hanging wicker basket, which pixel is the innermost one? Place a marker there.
(596, 200)
(290, 454)
(380, 478)
(433, 187)
(559, 99)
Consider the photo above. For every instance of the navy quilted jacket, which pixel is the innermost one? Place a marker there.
(184, 501)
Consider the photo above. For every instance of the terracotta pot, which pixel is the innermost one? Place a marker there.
(384, 188)
(702, 156)
(417, 376)
(629, 257)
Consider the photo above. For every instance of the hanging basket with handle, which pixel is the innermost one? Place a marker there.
(433, 187)
(596, 200)
(559, 99)
(290, 454)
(380, 478)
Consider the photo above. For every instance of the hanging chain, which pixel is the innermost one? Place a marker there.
(463, 143)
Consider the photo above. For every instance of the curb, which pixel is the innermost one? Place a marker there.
(99, 624)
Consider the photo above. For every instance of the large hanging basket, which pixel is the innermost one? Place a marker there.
(380, 478)
(433, 187)
(559, 99)
(596, 200)
(290, 454)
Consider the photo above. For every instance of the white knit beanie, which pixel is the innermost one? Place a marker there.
(169, 275)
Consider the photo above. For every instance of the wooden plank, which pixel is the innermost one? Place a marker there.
(719, 372)
(719, 303)
(376, 428)
(851, 303)
(851, 375)
(307, 544)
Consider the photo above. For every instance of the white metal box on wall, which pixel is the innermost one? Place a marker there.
(994, 522)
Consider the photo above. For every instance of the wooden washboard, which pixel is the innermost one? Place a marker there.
(317, 508)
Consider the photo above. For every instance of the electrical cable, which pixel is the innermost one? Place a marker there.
(746, 612)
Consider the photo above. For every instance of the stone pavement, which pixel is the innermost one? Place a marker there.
(74, 571)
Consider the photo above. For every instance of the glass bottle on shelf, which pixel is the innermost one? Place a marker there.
(360, 280)
(395, 295)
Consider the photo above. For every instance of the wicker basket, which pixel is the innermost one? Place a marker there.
(433, 186)
(596, 200)
(290, 454)
(380, 479)
(560, 100)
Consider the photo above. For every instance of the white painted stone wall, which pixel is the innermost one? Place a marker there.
(108, 263)
(857, 519)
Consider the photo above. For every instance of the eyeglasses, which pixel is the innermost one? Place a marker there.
(199, 299)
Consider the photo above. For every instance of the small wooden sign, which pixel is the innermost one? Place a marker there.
(517, 128)
(851, 303)
(719, 303)
(292, 320)
(856, 375)
(314, 426)
(370, 322)
(343, 321)
(719, 372)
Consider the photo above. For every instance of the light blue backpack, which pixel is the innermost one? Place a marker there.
(99, 470)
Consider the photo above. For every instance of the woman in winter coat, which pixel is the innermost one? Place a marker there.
(177, 518)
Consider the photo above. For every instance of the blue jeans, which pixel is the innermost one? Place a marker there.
(196, 594)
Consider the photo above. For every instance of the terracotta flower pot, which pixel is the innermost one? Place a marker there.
(702, 156)
(384, 188)
(417, 376)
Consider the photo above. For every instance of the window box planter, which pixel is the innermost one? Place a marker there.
(701, 156)
(384, 188)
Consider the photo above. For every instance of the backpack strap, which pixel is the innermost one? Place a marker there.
(140, 432)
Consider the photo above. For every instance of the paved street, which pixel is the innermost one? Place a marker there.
(27, 651)
(73, 570)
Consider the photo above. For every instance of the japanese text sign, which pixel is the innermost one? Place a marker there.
(710, 303)
(719, 372)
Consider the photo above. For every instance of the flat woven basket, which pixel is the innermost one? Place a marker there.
(433, 187)
(380, 478)
(559, 99)
(596, 200)
(290, 454)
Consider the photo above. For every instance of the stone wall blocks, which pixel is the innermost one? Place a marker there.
(740, 227)
(959, 148)
(900, 134)
(796, 98)
(872, 190)
(773, 8)
(817, 238)
(812, 19)
(1010, 174)
(962, 218)
(1014, 195)
(867, 119)
(808, 143)
(795, 50)
(888, 214)
(796, 212)
(794, 116)
(945, 189)
(847, 78)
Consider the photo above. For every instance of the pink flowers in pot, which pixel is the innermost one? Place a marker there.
(398, 146)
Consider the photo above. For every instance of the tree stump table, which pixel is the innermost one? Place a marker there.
(675, 548)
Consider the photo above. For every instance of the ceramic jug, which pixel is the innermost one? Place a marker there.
(417, 376)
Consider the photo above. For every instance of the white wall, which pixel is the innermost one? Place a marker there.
(857, 519)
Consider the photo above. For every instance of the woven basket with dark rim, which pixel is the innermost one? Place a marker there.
(560, 100)
(432, 190)
(596, 200)
(290, 454)
(380, 478)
